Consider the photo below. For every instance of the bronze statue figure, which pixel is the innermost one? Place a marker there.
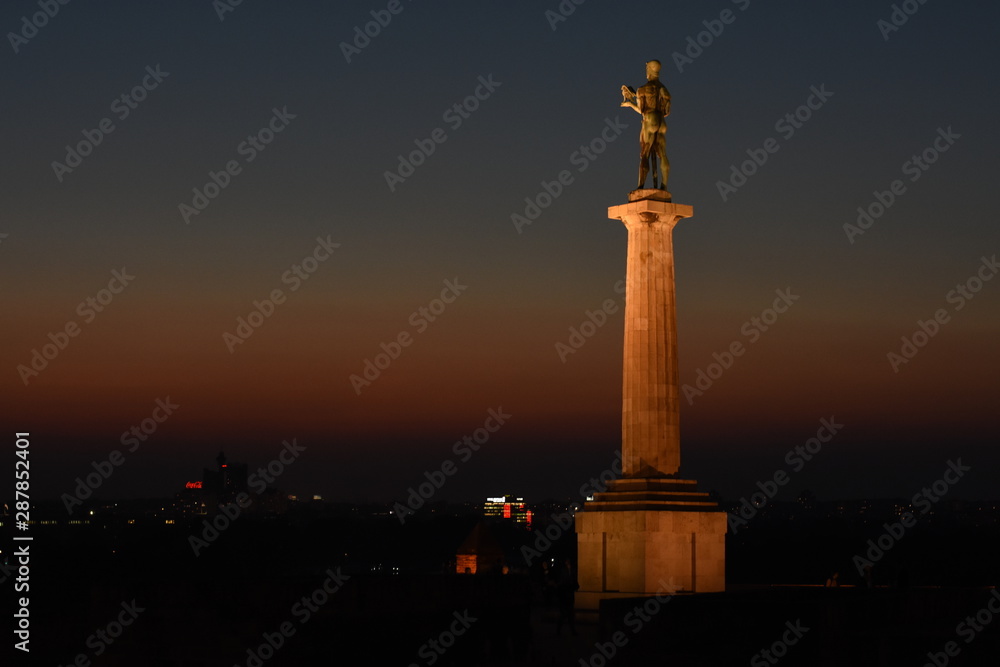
(652, 102)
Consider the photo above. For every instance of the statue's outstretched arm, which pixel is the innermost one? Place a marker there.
(628, 98)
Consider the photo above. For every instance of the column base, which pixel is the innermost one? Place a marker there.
(649, 536)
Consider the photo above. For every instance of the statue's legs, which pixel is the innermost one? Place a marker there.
(661, 152)
(645, 160)
(664, 169)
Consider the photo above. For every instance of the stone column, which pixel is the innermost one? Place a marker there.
(650, 532)
(650, 384)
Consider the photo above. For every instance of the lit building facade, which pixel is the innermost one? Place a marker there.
(507, 507)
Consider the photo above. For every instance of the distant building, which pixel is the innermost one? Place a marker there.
(480, 553)
(229, 479)
(190, 502)
(271, 502)
(508, 507)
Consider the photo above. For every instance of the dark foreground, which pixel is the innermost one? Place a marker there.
(358, 591)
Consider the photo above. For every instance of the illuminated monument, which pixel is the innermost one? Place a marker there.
(650, 531)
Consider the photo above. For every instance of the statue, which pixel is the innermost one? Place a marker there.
(652, 101)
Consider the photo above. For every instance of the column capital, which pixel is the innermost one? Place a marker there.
(649, 211)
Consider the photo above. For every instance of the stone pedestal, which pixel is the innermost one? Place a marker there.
(649, 536)
(650, 532)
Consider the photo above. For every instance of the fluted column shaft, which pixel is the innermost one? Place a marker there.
(650, 375)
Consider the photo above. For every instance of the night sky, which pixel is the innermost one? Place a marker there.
(548, 102)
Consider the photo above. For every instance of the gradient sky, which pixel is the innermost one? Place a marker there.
(324, 176)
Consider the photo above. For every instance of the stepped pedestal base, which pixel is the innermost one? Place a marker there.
(649, 536)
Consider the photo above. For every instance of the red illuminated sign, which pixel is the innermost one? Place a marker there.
(193, 485)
